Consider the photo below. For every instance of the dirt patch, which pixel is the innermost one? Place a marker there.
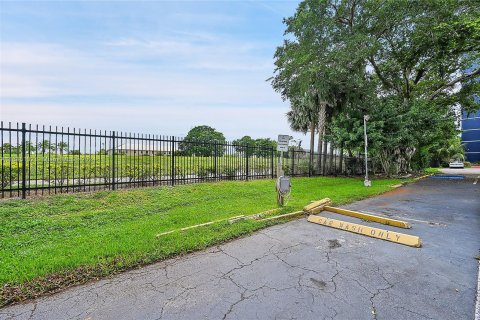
(401, 190)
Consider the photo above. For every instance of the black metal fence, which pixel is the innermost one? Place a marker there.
(38, 160)
(300, 163)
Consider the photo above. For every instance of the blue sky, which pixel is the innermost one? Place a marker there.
(143, 66)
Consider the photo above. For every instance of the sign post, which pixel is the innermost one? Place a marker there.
(366, 183)
(283, 182)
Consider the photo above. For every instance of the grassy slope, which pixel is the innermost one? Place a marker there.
(111, 231)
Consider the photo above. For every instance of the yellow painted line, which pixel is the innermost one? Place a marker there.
(401, 238)
(315, 204)
(370, 217)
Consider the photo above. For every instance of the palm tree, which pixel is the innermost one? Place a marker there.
(62, 147)
(45, 146)
(303, 117)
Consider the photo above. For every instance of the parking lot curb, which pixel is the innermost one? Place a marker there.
(401, 184)
(423, 177)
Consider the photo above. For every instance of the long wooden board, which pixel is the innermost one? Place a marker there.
(369, 217)
(256, 216)
(286, 215)
(406, 239)
(199, 225)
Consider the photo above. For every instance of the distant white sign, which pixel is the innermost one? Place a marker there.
(282, 142)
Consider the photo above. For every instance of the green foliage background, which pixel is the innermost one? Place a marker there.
(413, 66)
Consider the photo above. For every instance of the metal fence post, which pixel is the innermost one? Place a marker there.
(24, 161)
(215, 155)
(113, 160)
(246, 167)
(310, 163)
(272, 161)
(172, 156)
(103, 145)
(293, 163)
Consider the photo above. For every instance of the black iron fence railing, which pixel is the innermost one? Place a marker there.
(38, 160)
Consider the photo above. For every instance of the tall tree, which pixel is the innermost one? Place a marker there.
(244, 145)
(310, 62)
(203, 141)
(263, 147)
(399, 55)
(424, 50)
(45, 146)
(62, 147)
(304, 117)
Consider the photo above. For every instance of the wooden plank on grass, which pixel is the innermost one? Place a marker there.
(406, 239)
(200, 225)
(286, 215)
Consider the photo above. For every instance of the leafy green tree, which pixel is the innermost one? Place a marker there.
(422, 50)
(62, 147)
(202, 141)
(244, 144)
(7, 148)
(304, 118)
(45, 146)
(406, 63)
(443, 151)
(400, 139)
(264, 147)
(29, 147)
(314, 65)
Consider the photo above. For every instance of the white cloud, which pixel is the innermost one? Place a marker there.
(234, 122)
(49, 70)
(198, 51)
(161, 100)
(143, 67)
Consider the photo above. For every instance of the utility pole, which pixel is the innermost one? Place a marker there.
(366, 183)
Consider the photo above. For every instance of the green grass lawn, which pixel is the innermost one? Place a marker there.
(53, 242)
(432, 170)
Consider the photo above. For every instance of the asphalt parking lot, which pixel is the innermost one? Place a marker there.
(300, 270)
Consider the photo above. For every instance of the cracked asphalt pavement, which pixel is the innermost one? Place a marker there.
(300, 270)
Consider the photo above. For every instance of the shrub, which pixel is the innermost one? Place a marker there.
(230, 173)
(8, 175)
(303, 167)
(204, 171)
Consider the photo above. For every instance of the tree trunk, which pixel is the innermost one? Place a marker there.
(319, 153)
(322, 114)
(312, 146)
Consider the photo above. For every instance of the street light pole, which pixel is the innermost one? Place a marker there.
(366, 183)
